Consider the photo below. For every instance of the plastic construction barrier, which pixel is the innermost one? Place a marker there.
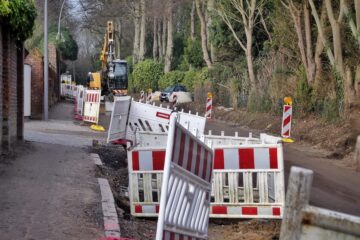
(92, 106)
(119, 116)
(144, 117)
(248, 175)
(79, 100)
(184, 209)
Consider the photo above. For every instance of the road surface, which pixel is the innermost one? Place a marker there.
(333, 187)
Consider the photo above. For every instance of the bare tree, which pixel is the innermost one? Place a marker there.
(170, 40)
(192, 21)
(247, 13)
(204, 35)
(142, 30)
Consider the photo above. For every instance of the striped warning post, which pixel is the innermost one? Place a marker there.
(174, 101)
(184, 210)
(209, 100)
(286, 121)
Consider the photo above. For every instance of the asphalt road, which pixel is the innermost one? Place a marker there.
(333, 187)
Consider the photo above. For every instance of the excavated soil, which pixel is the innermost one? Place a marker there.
(115, 170)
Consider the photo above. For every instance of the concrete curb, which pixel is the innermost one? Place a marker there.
(111, 222)
(95, 157)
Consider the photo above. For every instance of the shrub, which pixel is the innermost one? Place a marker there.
(146, 75)
(189, 80)
(193, 53)
(171, 78)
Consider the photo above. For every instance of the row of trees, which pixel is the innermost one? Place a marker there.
(255, 51)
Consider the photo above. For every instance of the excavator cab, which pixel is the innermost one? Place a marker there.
(118, 77)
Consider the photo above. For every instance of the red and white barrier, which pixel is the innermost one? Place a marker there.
(184, 209)
(92, 106)
(174, 100)
(209, 100)
(248, 175)
(286, 121)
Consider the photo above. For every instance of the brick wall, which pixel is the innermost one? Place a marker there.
(35, 60)
(10, 91)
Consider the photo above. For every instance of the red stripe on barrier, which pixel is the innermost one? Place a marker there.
(246, 158)
(197, 163)
(135, 161)
(138, 209)
(286, 108)
(189, 162)
(249, 210)
(172, 236)
(162, 115)
(287, 120)
(219, 159)
(287, 133)
(209, 108)
(276, 211)
(219, 210)
(157, 208)
(158, 160)
(273, 158)
(182, 149)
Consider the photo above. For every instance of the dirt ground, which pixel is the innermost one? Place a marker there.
(145, 228)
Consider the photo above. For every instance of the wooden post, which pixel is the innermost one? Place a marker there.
(357, 154)
(297, 197)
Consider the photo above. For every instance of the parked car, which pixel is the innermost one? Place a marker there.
(165, 95)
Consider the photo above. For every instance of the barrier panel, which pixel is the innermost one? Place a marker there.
(248, 175)
(152, 118)
(118, 121)
(80, 100)
(184, 211)
(92, 106)
(303, 221)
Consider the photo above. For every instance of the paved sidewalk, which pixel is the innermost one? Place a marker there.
(49, 192)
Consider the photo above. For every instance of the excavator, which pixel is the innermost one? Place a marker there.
(113, 77)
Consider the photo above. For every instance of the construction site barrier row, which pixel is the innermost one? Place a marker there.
(248, 175)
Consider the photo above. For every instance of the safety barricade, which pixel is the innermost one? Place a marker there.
(184, 211)
(79, 100)
(149, 118)
(92, 106)
(248, 175)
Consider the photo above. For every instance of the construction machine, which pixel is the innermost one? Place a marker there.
(113, 77)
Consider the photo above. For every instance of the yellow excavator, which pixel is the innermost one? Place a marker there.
(113, 77)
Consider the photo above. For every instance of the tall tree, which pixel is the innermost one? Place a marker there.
(246, 14)
(200, 9)
(142, 30)
(170, 37)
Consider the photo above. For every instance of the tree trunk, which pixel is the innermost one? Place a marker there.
(164, 33)
(118, 39)
(192, 21)
(159, 35)
(210, 7)
(308, 40)
(142, 30)
(319, 48)
(357, 13)
(136, 33)
(203, 25)
(336, 34)
(170, 43)
(249, 59)
(155, 40)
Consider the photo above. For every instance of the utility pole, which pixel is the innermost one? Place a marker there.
(46, 63)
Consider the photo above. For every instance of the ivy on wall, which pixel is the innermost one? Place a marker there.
(19, 16)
